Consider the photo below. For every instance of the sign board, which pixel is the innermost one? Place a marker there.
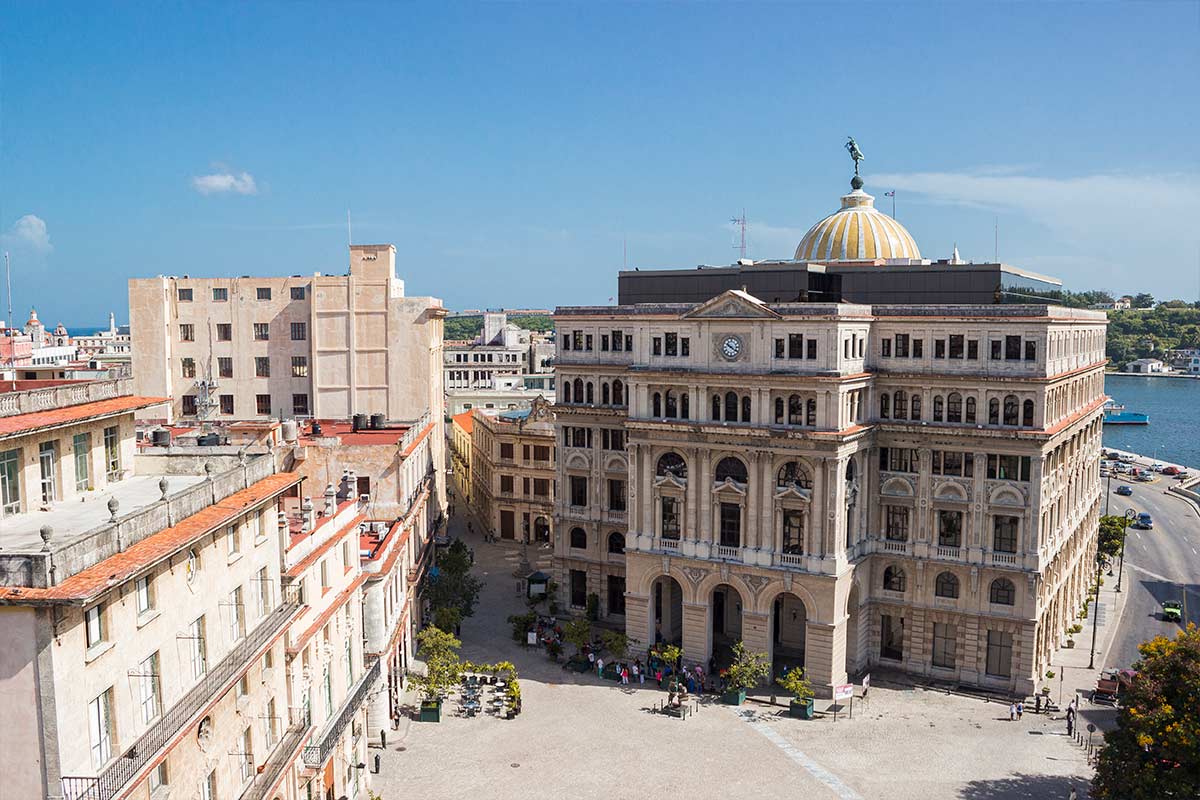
(843, 691)
(531, 638)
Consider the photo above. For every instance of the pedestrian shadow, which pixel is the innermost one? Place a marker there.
(1025, 787)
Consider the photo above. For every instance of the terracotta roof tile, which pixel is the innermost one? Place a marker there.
(465, 420)
(36, 420)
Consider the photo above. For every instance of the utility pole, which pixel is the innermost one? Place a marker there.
(1096, 609)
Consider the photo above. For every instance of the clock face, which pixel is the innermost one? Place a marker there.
(731, 348)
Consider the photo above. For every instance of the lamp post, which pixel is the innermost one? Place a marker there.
(1095, 610)
(1108, 492)
(1130, 514)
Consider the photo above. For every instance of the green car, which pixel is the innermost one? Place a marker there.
(1172, 611)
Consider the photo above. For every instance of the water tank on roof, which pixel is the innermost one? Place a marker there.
(377, 422)
(208, 440)
(316, 429)
(359, 422)
(291, 430)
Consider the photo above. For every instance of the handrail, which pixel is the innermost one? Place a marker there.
(324, 742)
(67, 394)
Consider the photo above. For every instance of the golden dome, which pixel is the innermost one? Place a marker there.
(857, 232)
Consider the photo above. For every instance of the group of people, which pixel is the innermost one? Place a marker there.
(626, 673)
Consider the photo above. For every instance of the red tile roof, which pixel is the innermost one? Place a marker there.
(91, 582)
(465, 420)
(54, 417)
(346, 433)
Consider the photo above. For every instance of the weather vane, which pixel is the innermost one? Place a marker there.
(855, 153)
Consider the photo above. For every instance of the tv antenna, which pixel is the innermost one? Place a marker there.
(741, 223)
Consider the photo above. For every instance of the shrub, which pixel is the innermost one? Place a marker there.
(795, 684)
(748, 668)
(593, 606)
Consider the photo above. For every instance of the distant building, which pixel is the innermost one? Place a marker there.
(513, 473)
(501, 350)
(461, 426)
(110, 343)
(1146, 366)
(505, 393)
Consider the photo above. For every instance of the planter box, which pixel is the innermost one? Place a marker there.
(801, 709)
(431, 711)
(734, 697)
(1070, 644)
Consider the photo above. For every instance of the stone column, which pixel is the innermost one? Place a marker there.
(695, 631)
(750, 540)
(825, 655)
(639, 626)
(756, 631)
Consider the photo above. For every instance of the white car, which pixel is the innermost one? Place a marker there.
(1156, 467)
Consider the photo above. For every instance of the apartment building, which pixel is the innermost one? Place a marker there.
(323, 346)
(461, 426)
(838, 485)
(502, 349)
(512, 472)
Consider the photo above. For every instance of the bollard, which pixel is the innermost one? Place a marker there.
(377, 763)
(383, 738)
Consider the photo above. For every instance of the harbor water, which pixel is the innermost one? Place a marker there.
(1173, 404)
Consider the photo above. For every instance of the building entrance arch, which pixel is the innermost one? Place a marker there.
(789, 627)
(725, 622)
(666, 611)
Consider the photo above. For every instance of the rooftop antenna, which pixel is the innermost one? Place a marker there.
(741, 223)
(12, 345)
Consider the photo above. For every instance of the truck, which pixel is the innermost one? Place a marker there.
(1172, 611)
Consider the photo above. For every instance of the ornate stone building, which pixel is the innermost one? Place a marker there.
(839, 485)
(512, 472)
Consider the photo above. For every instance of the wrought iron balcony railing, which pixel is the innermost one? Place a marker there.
(318, 752)
(280, 760)
(216, 682)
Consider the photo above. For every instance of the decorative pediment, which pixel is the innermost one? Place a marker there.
(793, 492)
(897, 487)
(732, 304)
(729, 485)
(951, 491)
(670, 480)
(578, 460)
(1007, 496)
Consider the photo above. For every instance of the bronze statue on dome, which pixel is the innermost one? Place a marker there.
(855, 153)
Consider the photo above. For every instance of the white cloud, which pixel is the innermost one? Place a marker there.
(225, 181)
(29, 233)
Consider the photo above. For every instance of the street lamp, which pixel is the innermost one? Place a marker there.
(1130, 515)
(1096, 608)
(1108, 492)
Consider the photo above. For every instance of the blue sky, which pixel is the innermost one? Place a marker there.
(510, 151)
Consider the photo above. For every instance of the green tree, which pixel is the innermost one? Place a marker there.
(795, 684)
(1112, 533)
(1143, 300)
(454, 586)
(578, 632)
(747, 669)
(439, 650)
(1154, 752)
(616, 643)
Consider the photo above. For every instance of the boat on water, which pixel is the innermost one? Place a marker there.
(1115, 414)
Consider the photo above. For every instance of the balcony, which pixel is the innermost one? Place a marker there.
(183, 714)
(727, 553)
(790, 559)
(283, 757)
(949, 553)
(895, 546)
(670, 545)
(323, 744)
(68, 394)
(1003, 559)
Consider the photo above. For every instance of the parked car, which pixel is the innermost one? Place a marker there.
(1145, 477)
(1125, 458)
(1172, 611)
(1104, 473)
(1170, 470)
(1144, 521)
(1156, 467)
(1124, 490)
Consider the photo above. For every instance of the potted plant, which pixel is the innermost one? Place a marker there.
(745, 672)
(801, 691)
(439, 650)
(665, 657)
(512, 693)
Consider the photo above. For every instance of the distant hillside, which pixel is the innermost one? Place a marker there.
(469, 327)
(1147, 333)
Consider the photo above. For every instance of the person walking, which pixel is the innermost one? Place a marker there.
(1020, 709)
(1012, 712)
(591, 658)
(624, 675)
(599, 667)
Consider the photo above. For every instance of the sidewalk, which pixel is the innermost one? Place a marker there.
(1074, 678)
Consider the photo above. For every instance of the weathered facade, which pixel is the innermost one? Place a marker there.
(837, 485)
(513, 475)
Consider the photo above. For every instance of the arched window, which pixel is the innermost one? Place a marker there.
(793, 473)
(1010, 409)
(1002, 592)
(1027, 414)
(885, 404)
(618, 393)
(616, 542)
(745, 408)
(916, 406)
(954, 407)
(567, 391)
(900, 404)
(604, 396)
(656, 405)
(716, 407)
(893, 579)
(671, 464)
(946, 585)
(731, 406)
(671, 410)
(730, 467)
(684, 410)
(578, 539)
(938, 406)
(578, 390)
(970, 415)
(810, 413)
(591, 393)
(795, 416)
(993, 412)
(778, 410)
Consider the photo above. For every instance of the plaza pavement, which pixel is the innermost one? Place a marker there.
(580, 737)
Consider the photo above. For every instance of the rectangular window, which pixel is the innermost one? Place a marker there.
(943, 645)
(262, 331)
(731, 525)
(999, 654)
(81, 444)
(93, 620)
(618, 340)
(262, 367)
(918, 348)
(685, 346)
(506, 451)
(541, 487)
(604, 342)
(184, 295)
(233, 540)
(187, 367)
(672, 344)
(578, 491)
(885, 348)
(264, 592)
(795, 345)
(996, 345)
(297, 292)
(616, 594)
(616, 495)
(780, 352)
(896, 523)
(199, 647)
(220, 294)
(972, 349)
(299, 331)
(891, 637)
(898, 459)
(1030, 350)
(939, 348)
(188, 407)
(578, 588)
(10, 481)
(149, 689)
(300, 404)
(901, 345)
(810, 349)
(793, 532)
(656, 346)
(145, 595)
(629, 342)
(112, 453)
(542, 452)
(263, 292)
(506, 484)
(949, 528)
(224, 332)
(1012, 348)
(956, 346)
(324, 575)
(100, 726)
(576, 340)
(208, 788)
(247, 756)
(587, 343)
(670, 518)
(158, 778)
(226, 404)
(1004, 534)
(187, 332)
(299, 366)
(269, 724)
(1008, 468)
(224, 367)
(237, 615)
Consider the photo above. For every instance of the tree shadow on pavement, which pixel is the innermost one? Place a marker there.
(1026, 787)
